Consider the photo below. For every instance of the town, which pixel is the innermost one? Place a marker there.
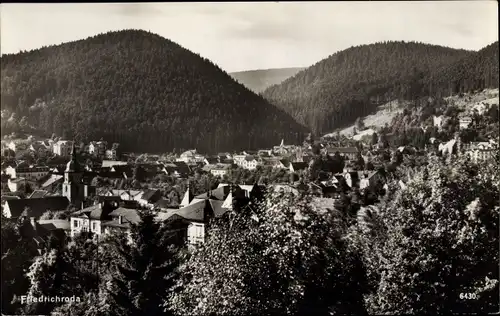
(65, 188)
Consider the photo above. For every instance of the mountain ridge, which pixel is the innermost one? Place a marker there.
(348, 84)
(141, 90)
(258, 80)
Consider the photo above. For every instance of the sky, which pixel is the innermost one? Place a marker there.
(250, 35)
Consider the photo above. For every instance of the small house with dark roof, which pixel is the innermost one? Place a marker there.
(37, 206)
(122, 171)
(149, 197)
(43, 232)
(298, 166)
(211, 160)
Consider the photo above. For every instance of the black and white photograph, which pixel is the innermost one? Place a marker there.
(250, 158)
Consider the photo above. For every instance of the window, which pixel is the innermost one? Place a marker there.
(94, 226)
(75, 223)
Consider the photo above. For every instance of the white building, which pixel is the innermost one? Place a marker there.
(220, 170)
(249, 163)
(31, 173)
(465, 121)
(438, 121)
(63, 148)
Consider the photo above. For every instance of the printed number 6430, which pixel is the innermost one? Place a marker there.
(468, 296)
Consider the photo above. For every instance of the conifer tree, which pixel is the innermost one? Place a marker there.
(144, 269)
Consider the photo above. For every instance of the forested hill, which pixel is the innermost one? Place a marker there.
(141, 90)
(351, 83)
(476, 71)
(259, 80)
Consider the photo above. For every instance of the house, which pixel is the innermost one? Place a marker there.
(352, 178)
(125, 195)
(350, 153)
(285, 188)
(191, 156)
(37, 206)
(438, 121)
(171, 169)
(12, 146)
(122, 171)
(298, 166)
(39, 149)
(112, 154)
(44, 231)
(273, 162)
(249, 163)
(283, 164)
(220, 170)
(197, 216)
(265, 152)
(238, 159)
(90, 219)
(224, 156)
(449, 147)
(211, 160)
(111, 163)
(63, 148)
(31, 173)
(98, 148)
(248, 191)
(148, 198)
(368, 179)
(481, 151)
(14, 185)
(5, 198)
(464, 122)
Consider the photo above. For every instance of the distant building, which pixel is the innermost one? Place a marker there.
(220, 170)
(368, 178)
(191, 157)
(298, 166)
(98, 148)
(112, 154)
(481, 151)
(438, 121)
(250, 163)
(63, 148)
(28, 172)
(40, 148)
(465, 121)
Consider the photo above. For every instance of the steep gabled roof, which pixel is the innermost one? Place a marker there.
(197, 212)
(38, 194)
(299, 165)
(130, 215)
(38, 206)
(149, 194)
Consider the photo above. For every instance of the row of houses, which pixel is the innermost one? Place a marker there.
(63, 148)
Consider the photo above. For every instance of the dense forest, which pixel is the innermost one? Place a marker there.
(351, 83)
(138, 89)
(259, 80)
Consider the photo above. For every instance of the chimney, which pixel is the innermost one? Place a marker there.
(120, 219)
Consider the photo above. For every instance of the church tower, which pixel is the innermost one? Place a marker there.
(73, 187)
